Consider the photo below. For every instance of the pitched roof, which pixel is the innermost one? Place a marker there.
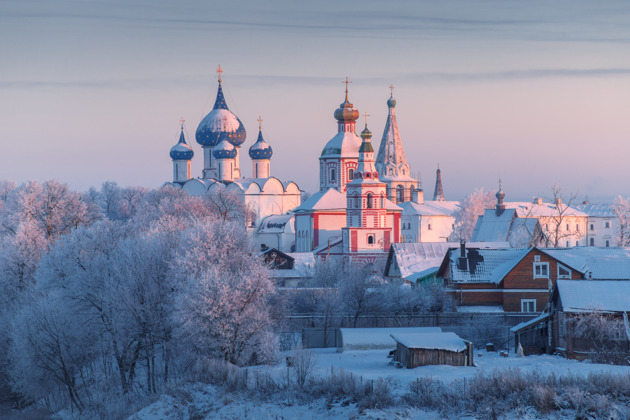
(596, 263)
(505, 226)
(331, 199)
(485, 265)
(415, 260)
(597, 210)
(435, 341)
(588, 295)
(430, 208)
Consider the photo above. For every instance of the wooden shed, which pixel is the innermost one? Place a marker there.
(413, 350)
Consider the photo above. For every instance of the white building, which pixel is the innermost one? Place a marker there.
(221, 135)
(602, 226)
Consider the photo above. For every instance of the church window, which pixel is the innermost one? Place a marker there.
(370, 239)
(400, 194)
(382, 201)
(429, 227)
(592, 226)
(350, 174)
(391, 171)
(333, 177)
(592, 242)
(607, 244)
(577, 227)
(607, 224)
(370, 201)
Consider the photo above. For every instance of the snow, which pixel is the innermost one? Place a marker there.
(276, 224)
(586, 295)
(496, 264)
(415, 259)
(486, 309)
(206, 401)
(522, 325)
(330, 199)
(216, 120)
(600, 263)
(377, 338)
(434, 341)
(345, 144)
(431, 208)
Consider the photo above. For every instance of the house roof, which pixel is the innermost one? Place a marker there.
(597, 210)
(492, 264)
(588, 295)
(505, 226)
(370, 338)
(276, 223)
(331, 199)
(434, 341)
(596, 263)
(416, 260)
(430, 208)
(527, 209)
(533, 321)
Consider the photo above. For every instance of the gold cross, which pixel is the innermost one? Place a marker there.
(391, 88)
(346, 82)
(366, 115)
(260, 120)
(181, 121)
(219, 71)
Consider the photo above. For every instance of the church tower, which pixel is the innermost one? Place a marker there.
(219, 121)
(438, 194)
(366, 216)
(391, 163)
(339, 158)
(261, 153)
(181, 154)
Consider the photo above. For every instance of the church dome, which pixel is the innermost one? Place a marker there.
(391, 102)
(260, 149)
(220, 119)
(225, 149)
(346, 111)
(182, 151)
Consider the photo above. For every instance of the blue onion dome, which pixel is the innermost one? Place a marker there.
(211, 126)
(225, 149)
(260, 149)
(182, 151)
(346, 111)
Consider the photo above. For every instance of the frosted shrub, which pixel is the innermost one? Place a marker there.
(303, 361)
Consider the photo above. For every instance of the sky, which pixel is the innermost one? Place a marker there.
(536, 93)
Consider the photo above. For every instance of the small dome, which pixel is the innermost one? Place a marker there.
(346, 111)
(391, 102)
(366, 133)
(500, 195)
(220, 119)
(225, 149)
(260, 149)
(182, 151)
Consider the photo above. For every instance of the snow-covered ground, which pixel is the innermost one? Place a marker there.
(206, 401)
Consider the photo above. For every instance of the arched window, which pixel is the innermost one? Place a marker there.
(370, 239)
(382, 201)
(333, 177)
(400, 193)
(370, 201)
(356, 201)
(350, 174)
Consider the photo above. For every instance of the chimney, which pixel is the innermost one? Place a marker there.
(417, 195)
(558, 201)
(585, 202)
(462, 248)
(538, 201)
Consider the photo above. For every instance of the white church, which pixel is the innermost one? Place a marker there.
(365, 203)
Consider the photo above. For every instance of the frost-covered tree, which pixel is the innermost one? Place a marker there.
(360, 292)
(621, 208)
(229, 205)
(466, 216)
(223, 305)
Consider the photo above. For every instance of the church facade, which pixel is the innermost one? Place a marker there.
(221, 134)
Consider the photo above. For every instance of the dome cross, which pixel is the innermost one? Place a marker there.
(219, 72)
(391, 88)
(346, 82)
(260, 120)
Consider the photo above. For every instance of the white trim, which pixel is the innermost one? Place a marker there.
(541, 265)
(565, 276)
(525, 303)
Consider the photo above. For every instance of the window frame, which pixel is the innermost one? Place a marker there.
(564, 276)
(525, 303)
(542, 265)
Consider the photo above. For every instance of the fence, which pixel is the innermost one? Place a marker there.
(479, 328)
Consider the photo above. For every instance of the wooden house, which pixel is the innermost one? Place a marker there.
(590, 317)
(413, 350)
(522, 279)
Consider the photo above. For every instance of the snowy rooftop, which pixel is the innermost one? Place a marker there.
(435, 341)
(413, 259)
(518, 231)
(496, 264)
(303, 265)
(377, 338)
(527, 209)
(430, 208)
(533, 321)
(597, 210)
(599, 263)
(331, 199)
(276, 223)
(603, 295)
(486, 309)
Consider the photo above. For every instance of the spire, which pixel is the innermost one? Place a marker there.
(181, 151)
(219, 103)
(391, 161)
(438, 195)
